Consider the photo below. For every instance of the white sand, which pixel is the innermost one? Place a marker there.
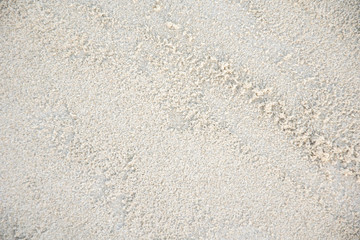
(180, 119)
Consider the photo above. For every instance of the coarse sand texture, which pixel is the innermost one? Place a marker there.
(134, 119)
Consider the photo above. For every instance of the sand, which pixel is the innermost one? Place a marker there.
(180, 119)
